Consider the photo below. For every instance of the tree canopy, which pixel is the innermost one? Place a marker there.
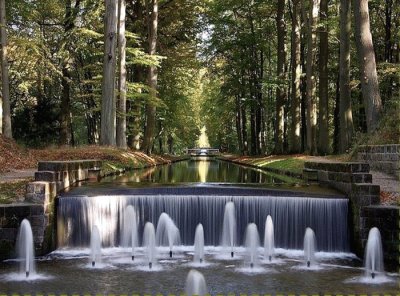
(261, 76)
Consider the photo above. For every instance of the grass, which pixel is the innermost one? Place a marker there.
(294, 165)
(12, 192)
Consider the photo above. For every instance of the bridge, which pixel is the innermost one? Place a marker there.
(203, 151)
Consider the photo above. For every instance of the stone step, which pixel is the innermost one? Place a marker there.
(310, 175)
(343, 167)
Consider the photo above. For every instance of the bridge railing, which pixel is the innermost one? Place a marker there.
(203, 151)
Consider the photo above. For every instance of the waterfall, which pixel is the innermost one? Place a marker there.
(76, 216)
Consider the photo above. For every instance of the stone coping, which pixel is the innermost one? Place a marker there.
(68, 165)
(343, 167)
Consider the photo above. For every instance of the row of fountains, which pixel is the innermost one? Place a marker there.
(168, 234)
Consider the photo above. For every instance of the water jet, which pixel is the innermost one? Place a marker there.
(167, 233)
(252, 243)
(373, 254)
(229, 227)
(199, 243)
(149, 242)
(309, 247)
(269, 238)
(129, 230)
(25, 249)
(95, 246)
(195, 284)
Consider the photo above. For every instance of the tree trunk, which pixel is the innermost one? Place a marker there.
(108, 116)
(121, 98)
(239, 131)
(323, 135)
(152, 81)
(366, 59)
(388, 31)
(281, 92)
(5, 114)
(295, 136)
(345, 111)
(311, 83)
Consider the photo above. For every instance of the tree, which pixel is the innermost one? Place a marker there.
(121, 98)
(323, 136)
(295, 137)
(366, 60)
(5, 114)
(311, 83)
(108, 118)
(281, 92)
(345, 110)
(152, 82)
(65, 111)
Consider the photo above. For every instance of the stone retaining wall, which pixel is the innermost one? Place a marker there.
(354, 180)
(384, 158)
(51, 178)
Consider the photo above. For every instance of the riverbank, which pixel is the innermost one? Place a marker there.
(293, 165)
(18, 164)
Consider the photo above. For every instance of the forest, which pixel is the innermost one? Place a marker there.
(261, 76)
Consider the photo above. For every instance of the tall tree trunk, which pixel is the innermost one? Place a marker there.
(108, 115)
(5, 114)
(346, 127)
(366, 59)
(336, 118)
(323, 135)
(295, 136)
(311, 83)
(135, 113)
(65, 110)
(303, 80)
(239, 131)
(388, 31)
(121, 98)
(152, 81)
(281, 92)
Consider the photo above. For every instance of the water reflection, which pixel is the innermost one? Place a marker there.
(199, 170)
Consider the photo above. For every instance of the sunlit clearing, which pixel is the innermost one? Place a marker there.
(203, 139)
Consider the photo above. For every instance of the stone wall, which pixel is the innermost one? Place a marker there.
(38, 208)
(384, 158)
(354, 180)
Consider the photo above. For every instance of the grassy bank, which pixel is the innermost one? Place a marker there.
(14, 157)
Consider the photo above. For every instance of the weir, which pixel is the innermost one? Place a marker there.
(292, 214)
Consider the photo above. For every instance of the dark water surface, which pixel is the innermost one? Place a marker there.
(67, 274)
(198, 172)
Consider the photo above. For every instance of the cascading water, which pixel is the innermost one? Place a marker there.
(373, 254)
(252, 243)
(309, 247)
(199, 244)
(129, 235)
(26, 254)
(167, 233)
(326, 216)
(269, 239)
(229, 227)
(195, 284)
(149, 243)
(95, 246)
